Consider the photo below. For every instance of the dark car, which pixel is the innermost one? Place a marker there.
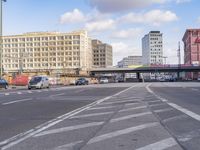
(81, 81)
(3, 84)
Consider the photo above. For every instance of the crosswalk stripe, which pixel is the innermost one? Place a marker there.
(97, 108)
(70, 128)
(161, 145)
(122, 132)
(130, 116)
(67, 146)
(163, 110)
(134, 108)
(91, 115)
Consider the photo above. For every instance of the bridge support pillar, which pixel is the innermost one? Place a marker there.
(178, 75)
(138, 76)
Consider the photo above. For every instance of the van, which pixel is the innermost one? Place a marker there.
(38, 82)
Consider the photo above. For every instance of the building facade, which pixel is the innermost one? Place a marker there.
(191, 40)
(130, 61)
(152, 48)
(102, 54)
(47, 51)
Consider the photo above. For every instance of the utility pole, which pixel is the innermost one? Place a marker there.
(1, 38)
(179, 54)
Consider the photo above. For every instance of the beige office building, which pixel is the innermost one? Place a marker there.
(102, 54)
(47, 51)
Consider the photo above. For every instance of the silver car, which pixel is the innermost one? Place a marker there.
(38, 82)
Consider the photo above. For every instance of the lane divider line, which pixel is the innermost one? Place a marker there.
(17, 101)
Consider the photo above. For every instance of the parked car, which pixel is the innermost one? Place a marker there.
(103, 80)
(3, 84)
(38, 82)
(81, 81)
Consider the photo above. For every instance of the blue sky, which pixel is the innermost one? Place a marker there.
(119, 23)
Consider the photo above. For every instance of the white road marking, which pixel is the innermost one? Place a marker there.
(163, 110)
(67, 146)
(70, 128)
(122, 132)
(130, 116)
(17, 101)
(109, 103)
(193, 89)
(97, 108)
(174, 118)
(6, 94)
(56, 95)
(25, 135)
(134, 108)
(160, 104)
(184, 110)
(30, 92)
(153, 101)
(161, 145)
(19, 93)
(132, 104)
(39, 91)
(91, 115)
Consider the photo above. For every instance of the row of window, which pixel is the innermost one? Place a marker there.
(42, 44)
(41, 38)
(41, 65)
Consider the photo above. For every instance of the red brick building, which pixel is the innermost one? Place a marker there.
(191, 41)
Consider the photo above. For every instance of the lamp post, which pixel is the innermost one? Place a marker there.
(1, 38)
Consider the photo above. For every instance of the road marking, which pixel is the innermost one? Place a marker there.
(161, 145)
(134, 108)
(70, 128)
(56, 95)
(30, 92)
(130, 116)
(174, 118)
(109, 103)
(25, 135)
(122, 132)
(131, 104)
(67, 146)
(184, 110)
(97, 108)
(39, 91)
(19, 93)
(91, 115)
(163, 110)
(193, 89)
(154, 105)
(6, 94)
(153, 101)
(17, 101)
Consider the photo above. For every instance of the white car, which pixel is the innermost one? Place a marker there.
(38, 82)
(103, 80)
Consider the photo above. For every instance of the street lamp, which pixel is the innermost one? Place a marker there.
(1, 38)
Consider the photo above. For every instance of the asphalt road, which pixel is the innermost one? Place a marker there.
(138, 116)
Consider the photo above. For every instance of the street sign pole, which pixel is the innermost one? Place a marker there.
(1, 40)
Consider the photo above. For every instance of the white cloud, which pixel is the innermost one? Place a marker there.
(182, 1)
(121, 5)
(100, 25)
(154, 17)
(109, 6)
(127, 34)
(121, 50)
(76, 16)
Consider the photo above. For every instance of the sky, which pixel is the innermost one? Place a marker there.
(121, 23)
